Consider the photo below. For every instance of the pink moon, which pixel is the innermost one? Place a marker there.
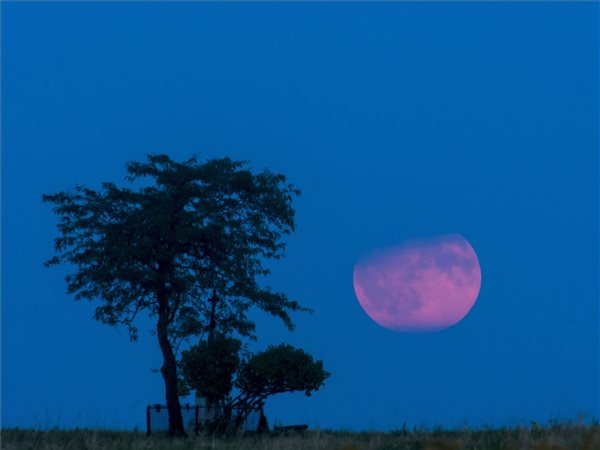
(423, 285)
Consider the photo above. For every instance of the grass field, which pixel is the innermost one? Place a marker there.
(556, 437)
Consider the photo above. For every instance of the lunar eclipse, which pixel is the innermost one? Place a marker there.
(423, 285)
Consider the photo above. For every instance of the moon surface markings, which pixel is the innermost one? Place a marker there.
(422, 285)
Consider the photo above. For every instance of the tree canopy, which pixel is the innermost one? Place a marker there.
(186, 246)
(210, 366)
(280, 368)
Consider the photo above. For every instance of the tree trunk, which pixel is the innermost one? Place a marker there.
(169, 373)
(212, 324)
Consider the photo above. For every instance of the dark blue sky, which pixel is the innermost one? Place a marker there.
(397, 121)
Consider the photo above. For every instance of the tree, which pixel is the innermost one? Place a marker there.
(210, 366)
(186, 247)
(278, 369)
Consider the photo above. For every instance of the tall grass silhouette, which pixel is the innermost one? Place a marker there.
(556, 437)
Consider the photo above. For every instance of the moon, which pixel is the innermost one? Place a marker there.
(420, 286)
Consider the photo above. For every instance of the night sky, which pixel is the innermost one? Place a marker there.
(397, 121)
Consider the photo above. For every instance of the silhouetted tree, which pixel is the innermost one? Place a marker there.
(186, 246)
(281, 368)
(210, 366)
(214, 367)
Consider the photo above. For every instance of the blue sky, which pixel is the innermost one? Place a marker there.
(397, 121)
